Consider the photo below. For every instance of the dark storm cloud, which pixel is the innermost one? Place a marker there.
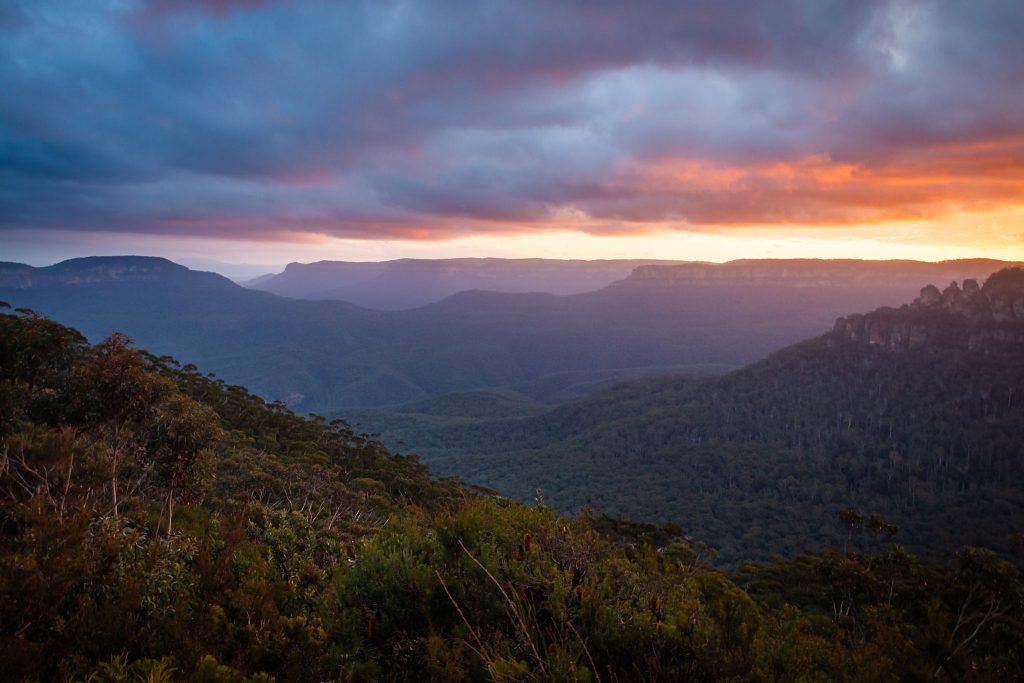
(418, 119)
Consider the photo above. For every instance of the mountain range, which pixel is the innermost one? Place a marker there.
(410, 283)
(324, 355)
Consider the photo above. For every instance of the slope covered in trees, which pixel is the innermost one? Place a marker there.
(301, 551)
(913, 414)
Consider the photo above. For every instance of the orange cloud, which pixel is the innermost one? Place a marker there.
(816, 190)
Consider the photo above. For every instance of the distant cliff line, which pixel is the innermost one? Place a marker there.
(821, 271)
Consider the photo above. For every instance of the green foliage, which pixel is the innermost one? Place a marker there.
(120, 670)
(957, 621)
(306, 552)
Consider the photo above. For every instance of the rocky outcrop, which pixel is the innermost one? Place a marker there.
(1000, 300)
(930, 296)
(877, 330)
(985, 319)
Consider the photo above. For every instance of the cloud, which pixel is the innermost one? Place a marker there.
(413, 120)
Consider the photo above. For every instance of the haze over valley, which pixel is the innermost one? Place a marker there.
(328, 355)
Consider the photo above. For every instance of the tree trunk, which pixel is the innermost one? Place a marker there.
(113, 487)
(115, 461)
(170, 511)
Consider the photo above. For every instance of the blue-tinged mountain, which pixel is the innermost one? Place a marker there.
(320, 355)
(912, 414)
(410, 283)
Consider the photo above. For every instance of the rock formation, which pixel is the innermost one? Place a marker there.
(987, 319)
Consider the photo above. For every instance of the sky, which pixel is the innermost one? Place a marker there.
(259, 132)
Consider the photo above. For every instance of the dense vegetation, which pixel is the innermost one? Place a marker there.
(756, 461)
(158, 525)
(325, 355)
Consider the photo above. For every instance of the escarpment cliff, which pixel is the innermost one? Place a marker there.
(93, 270)
(817, 272)
(987, 318)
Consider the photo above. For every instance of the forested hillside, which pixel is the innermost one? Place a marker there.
(159, 525)
(915, 414)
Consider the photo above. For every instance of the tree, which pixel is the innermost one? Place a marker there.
(116, 397)
(987, 596)
(182, 435)
(34, 354)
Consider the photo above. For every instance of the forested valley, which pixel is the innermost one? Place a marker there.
(912, 414)
(157, 524)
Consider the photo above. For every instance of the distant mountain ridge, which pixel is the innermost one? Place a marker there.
(98, 269)
(821, 271)
(409, 283)
(324, 355)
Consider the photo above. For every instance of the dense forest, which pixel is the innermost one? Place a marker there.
(157, 524)
(913, 414)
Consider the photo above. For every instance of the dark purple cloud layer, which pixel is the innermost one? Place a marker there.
(430, 119)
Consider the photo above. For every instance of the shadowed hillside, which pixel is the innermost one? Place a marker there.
(915, 414)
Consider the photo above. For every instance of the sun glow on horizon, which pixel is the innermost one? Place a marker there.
(996, 235)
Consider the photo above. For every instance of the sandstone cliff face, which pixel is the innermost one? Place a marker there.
(93, 270)
(986, 319)
(815, 273)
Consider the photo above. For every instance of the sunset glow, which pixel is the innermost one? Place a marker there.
(203, 129)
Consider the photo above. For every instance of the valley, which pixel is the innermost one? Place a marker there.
(911, 413)
(651, 398)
